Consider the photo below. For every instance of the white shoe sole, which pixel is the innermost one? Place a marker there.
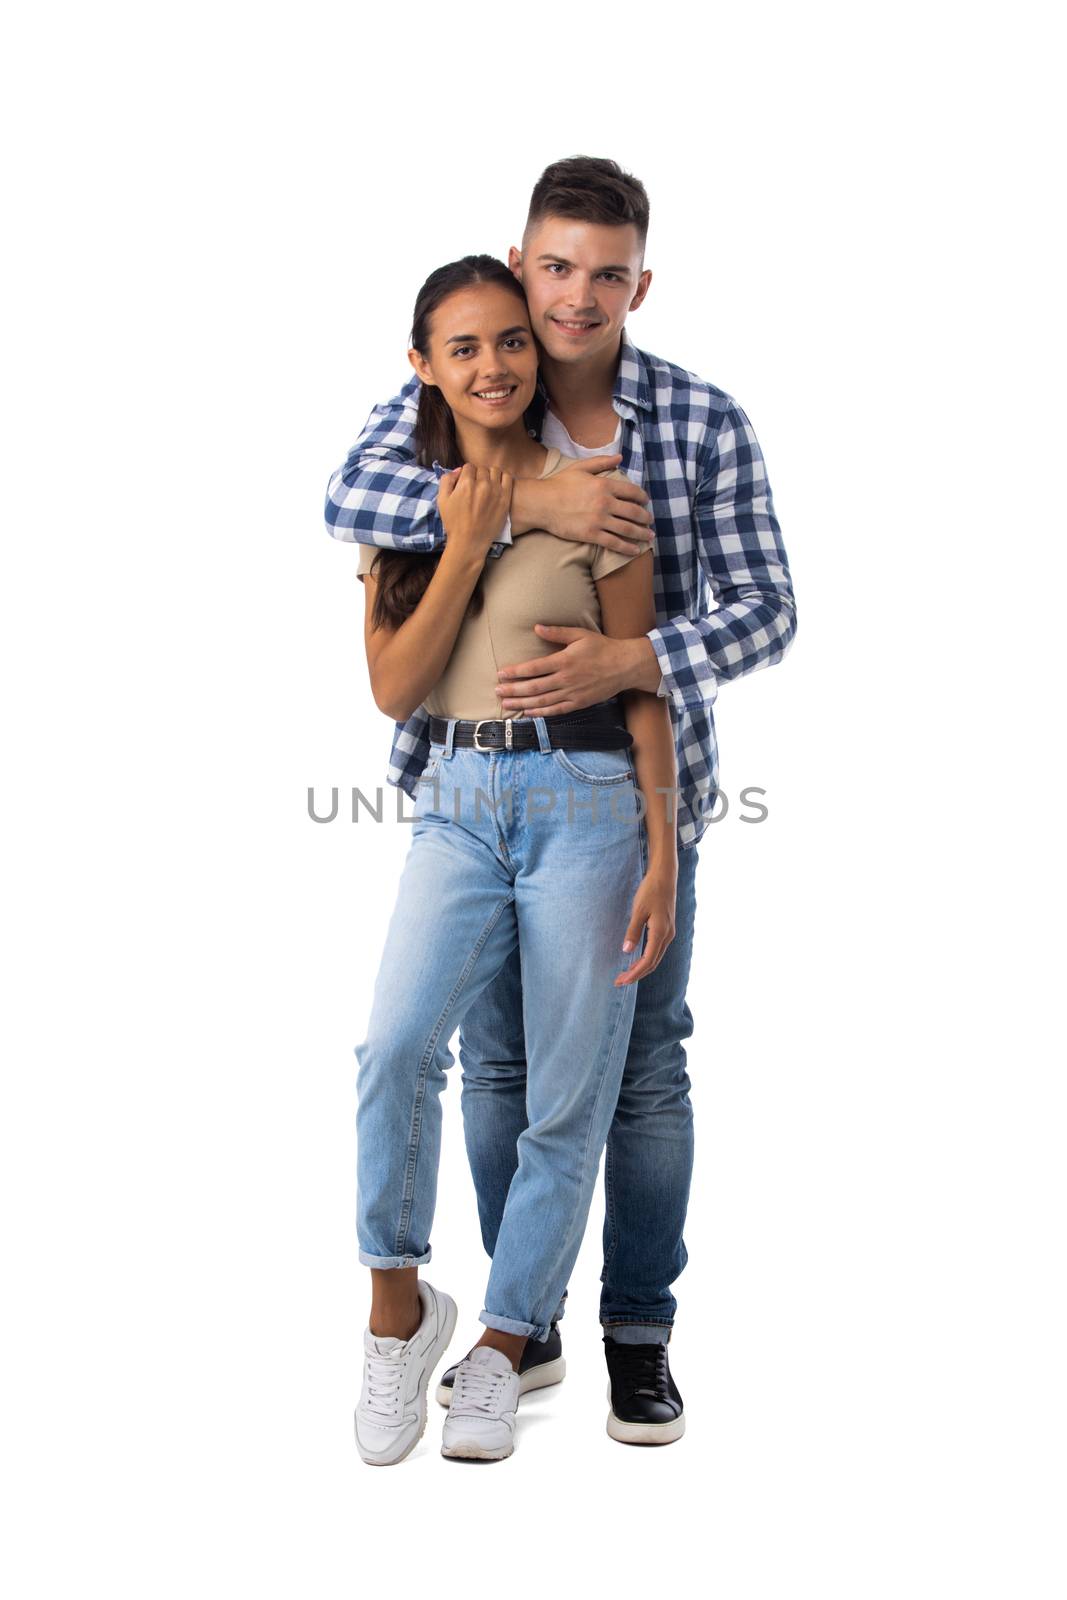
(433, 1358)
(644, 1432)
(542, 1377)
(470, 1452)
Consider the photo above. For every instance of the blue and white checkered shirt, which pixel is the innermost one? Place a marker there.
(717, 538)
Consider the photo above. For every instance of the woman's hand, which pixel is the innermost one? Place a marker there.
(653, 908)
(474, 503)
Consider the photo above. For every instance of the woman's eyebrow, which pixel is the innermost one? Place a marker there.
(472, 338)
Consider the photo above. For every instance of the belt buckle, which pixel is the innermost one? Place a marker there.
(507, 733)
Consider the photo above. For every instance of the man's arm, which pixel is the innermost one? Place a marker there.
(381, 496)
(740, 548)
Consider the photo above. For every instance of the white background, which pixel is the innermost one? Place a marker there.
(218, 218)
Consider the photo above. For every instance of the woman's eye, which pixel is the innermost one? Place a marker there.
(462, 350)
(515, 343)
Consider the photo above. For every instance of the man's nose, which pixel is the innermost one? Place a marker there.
(581, 291)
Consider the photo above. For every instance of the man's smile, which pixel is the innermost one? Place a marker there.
(574, 325)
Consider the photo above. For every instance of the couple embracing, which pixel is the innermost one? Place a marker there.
(545, 515)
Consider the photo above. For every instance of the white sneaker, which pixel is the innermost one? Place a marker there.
(391, 1415)
(480, 1425)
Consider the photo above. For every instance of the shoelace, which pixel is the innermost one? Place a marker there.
(642, 1369)
(384, 1378)
(478, 1389)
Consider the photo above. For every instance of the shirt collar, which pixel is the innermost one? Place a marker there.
(631, 384)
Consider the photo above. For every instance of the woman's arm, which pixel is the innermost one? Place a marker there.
(406, 662)
(627, 609)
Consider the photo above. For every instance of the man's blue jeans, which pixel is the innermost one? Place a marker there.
(547, 879)
(649, 1160)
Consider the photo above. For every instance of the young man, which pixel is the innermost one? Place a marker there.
(707, 503)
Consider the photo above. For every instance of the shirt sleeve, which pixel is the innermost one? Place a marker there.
(605, 561)
(739, 546)
(368, 554)
(381, 496)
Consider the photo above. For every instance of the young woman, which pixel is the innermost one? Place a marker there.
(527, 831)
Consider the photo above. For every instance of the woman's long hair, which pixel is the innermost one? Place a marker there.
(402, 579)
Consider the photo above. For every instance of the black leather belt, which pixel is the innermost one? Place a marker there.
(599, 727)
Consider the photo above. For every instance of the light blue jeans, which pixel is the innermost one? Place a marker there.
(540, 850)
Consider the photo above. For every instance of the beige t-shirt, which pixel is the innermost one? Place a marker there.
(539, 578)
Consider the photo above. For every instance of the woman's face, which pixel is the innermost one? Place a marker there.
(481, 356)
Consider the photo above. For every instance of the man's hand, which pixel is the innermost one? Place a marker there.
(582, 504)
(591, 667)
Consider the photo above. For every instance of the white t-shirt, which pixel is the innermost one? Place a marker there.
(554, 436)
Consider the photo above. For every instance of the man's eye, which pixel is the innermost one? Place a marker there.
(614, 276)
(555, 267)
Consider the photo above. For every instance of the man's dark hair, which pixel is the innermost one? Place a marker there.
(590, 189)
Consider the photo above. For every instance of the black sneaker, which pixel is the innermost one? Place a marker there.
(541, 1365)
(646, 1407)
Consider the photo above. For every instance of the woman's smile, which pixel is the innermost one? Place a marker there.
(498, 396)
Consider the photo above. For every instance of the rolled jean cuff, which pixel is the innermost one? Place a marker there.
(638, 1332)
(385, 1263)
(529, 1330)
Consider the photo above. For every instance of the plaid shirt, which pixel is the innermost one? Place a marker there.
(694, 451)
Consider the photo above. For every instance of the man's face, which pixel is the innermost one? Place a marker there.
(581, 280)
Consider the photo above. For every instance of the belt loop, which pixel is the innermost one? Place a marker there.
(449, 736)
(542, 735)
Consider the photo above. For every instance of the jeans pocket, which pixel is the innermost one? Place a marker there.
(596, 766)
